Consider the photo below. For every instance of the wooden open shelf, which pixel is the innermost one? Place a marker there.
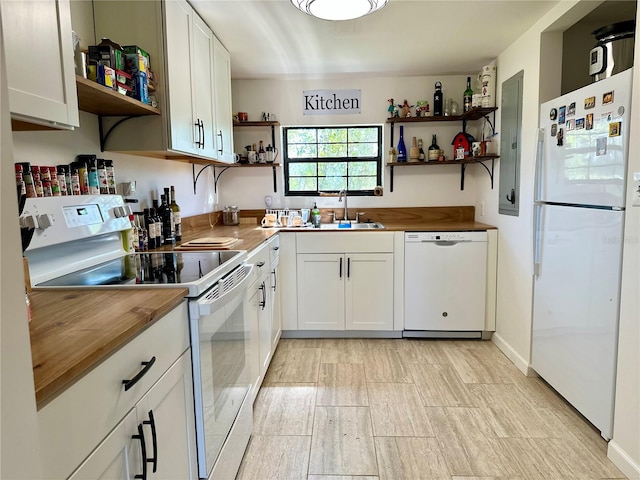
(100, 100)
(474, 114)
(256, 124)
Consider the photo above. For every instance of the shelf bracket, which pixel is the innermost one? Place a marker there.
(215, 177)
(275, 179)
(463, 168)
(391, 178)
(105, 136)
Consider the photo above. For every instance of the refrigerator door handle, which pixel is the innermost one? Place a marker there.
(537, 238)
(537, 188)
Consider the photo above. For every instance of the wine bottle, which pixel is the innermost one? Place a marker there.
(421, 156)
(262, 154)
(402, 149)
(437, 100)
(467, 98)
(434, 149)
(167, 219)
(150, 224)
(177, 220)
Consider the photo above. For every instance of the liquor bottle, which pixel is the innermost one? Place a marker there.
(402, 149)
(167, 219)
(421, 156)
(158, 219)
(468, 96)
(437, 100)
(103, 181)
(150, 224)
(262, 154)
(414, 152)
(434, 149)
(177, 220)
(315, 216)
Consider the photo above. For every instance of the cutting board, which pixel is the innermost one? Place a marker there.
(209, 243)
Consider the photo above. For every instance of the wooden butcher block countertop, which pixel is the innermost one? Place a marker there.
(73, 330)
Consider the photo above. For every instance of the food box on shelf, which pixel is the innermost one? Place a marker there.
(106, 55)
(136, 50)
(139, 87)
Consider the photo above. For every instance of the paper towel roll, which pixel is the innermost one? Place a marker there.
(378, 191)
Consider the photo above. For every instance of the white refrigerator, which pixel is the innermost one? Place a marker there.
(581, 170)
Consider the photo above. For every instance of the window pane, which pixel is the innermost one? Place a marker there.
(362, 183)
(332, 150)
(363, 134)
(363, 149)
(332, 135)
(298, 184)
(328, 184)
(363, 168)
(303, 169)
(332, 169)
(303, 135)
(302, 151)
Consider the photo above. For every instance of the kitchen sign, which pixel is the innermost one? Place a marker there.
(330, 102)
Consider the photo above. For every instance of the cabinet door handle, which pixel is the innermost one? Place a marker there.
(349, 267)
(275, 280)
(154, 440)
(197, 125)
(340, 267)
(143, 451)
(203, 135)
(131, 382)
(221, 149)
(263, 302)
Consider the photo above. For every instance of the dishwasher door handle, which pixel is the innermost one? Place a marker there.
(445, 243)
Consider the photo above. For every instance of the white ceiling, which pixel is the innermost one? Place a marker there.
(272, 39)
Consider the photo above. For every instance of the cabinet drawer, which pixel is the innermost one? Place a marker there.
(274, 249)
(345, 242)
(77, 420)
(260, 258)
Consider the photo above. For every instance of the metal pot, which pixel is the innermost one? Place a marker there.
(230, 215)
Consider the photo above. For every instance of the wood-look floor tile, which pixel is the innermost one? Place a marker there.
(294, 364)
(384, 365)
(558, 458)
(342, 384)
(440, 386)
(468, 443)
(276, 458)
(481, 365)
(410, 458)
(284, 409)
(342, 477)
(421, 351)
(397, 411)
(342, 442)
(342, 350)
(460, 477)
(286, 343)
(512, 415)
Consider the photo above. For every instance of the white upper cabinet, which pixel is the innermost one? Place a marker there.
(224, 120)
(40, 69)
(183, 52)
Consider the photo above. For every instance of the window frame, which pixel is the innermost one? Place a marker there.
(286, 161)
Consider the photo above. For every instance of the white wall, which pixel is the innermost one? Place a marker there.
(413, 186)
(537, 53)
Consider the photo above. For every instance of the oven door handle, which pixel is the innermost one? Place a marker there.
(208, 306)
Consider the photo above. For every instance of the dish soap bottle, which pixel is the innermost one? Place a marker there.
(315, 216)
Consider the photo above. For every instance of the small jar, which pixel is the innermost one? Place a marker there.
(230, 215)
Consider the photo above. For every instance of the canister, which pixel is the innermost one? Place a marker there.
(230, 215)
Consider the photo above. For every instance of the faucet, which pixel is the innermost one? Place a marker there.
(342, 193)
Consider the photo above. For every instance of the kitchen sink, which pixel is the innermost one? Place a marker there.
(352, 226)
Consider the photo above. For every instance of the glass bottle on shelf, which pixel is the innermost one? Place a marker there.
(262, 154)
(434, 149)
(402, 149)
(438, 100)
(177, 220)
(421, 155)
(467, 97)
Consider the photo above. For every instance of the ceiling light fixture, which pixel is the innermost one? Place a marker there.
(338, 9)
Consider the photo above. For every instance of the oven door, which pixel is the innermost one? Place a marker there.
(221, 362)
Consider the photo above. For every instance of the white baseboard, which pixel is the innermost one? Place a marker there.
(511, 354)
(623, 461)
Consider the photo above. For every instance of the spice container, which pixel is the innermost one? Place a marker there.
(230, 215)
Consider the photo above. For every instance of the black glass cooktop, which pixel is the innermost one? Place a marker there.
(158, 268)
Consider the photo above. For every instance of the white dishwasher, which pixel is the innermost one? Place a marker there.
(444, 284)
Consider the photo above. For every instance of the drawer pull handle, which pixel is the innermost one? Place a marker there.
(260, 264)
(143, 450)
(276, 248)
(154, 440)
(147, 366)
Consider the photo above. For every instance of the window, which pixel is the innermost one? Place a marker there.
(330, 159)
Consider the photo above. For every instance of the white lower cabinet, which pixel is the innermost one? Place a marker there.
(156, 439)
(90, 430)
(345, 281)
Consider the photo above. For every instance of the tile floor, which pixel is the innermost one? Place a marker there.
(347, 409)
